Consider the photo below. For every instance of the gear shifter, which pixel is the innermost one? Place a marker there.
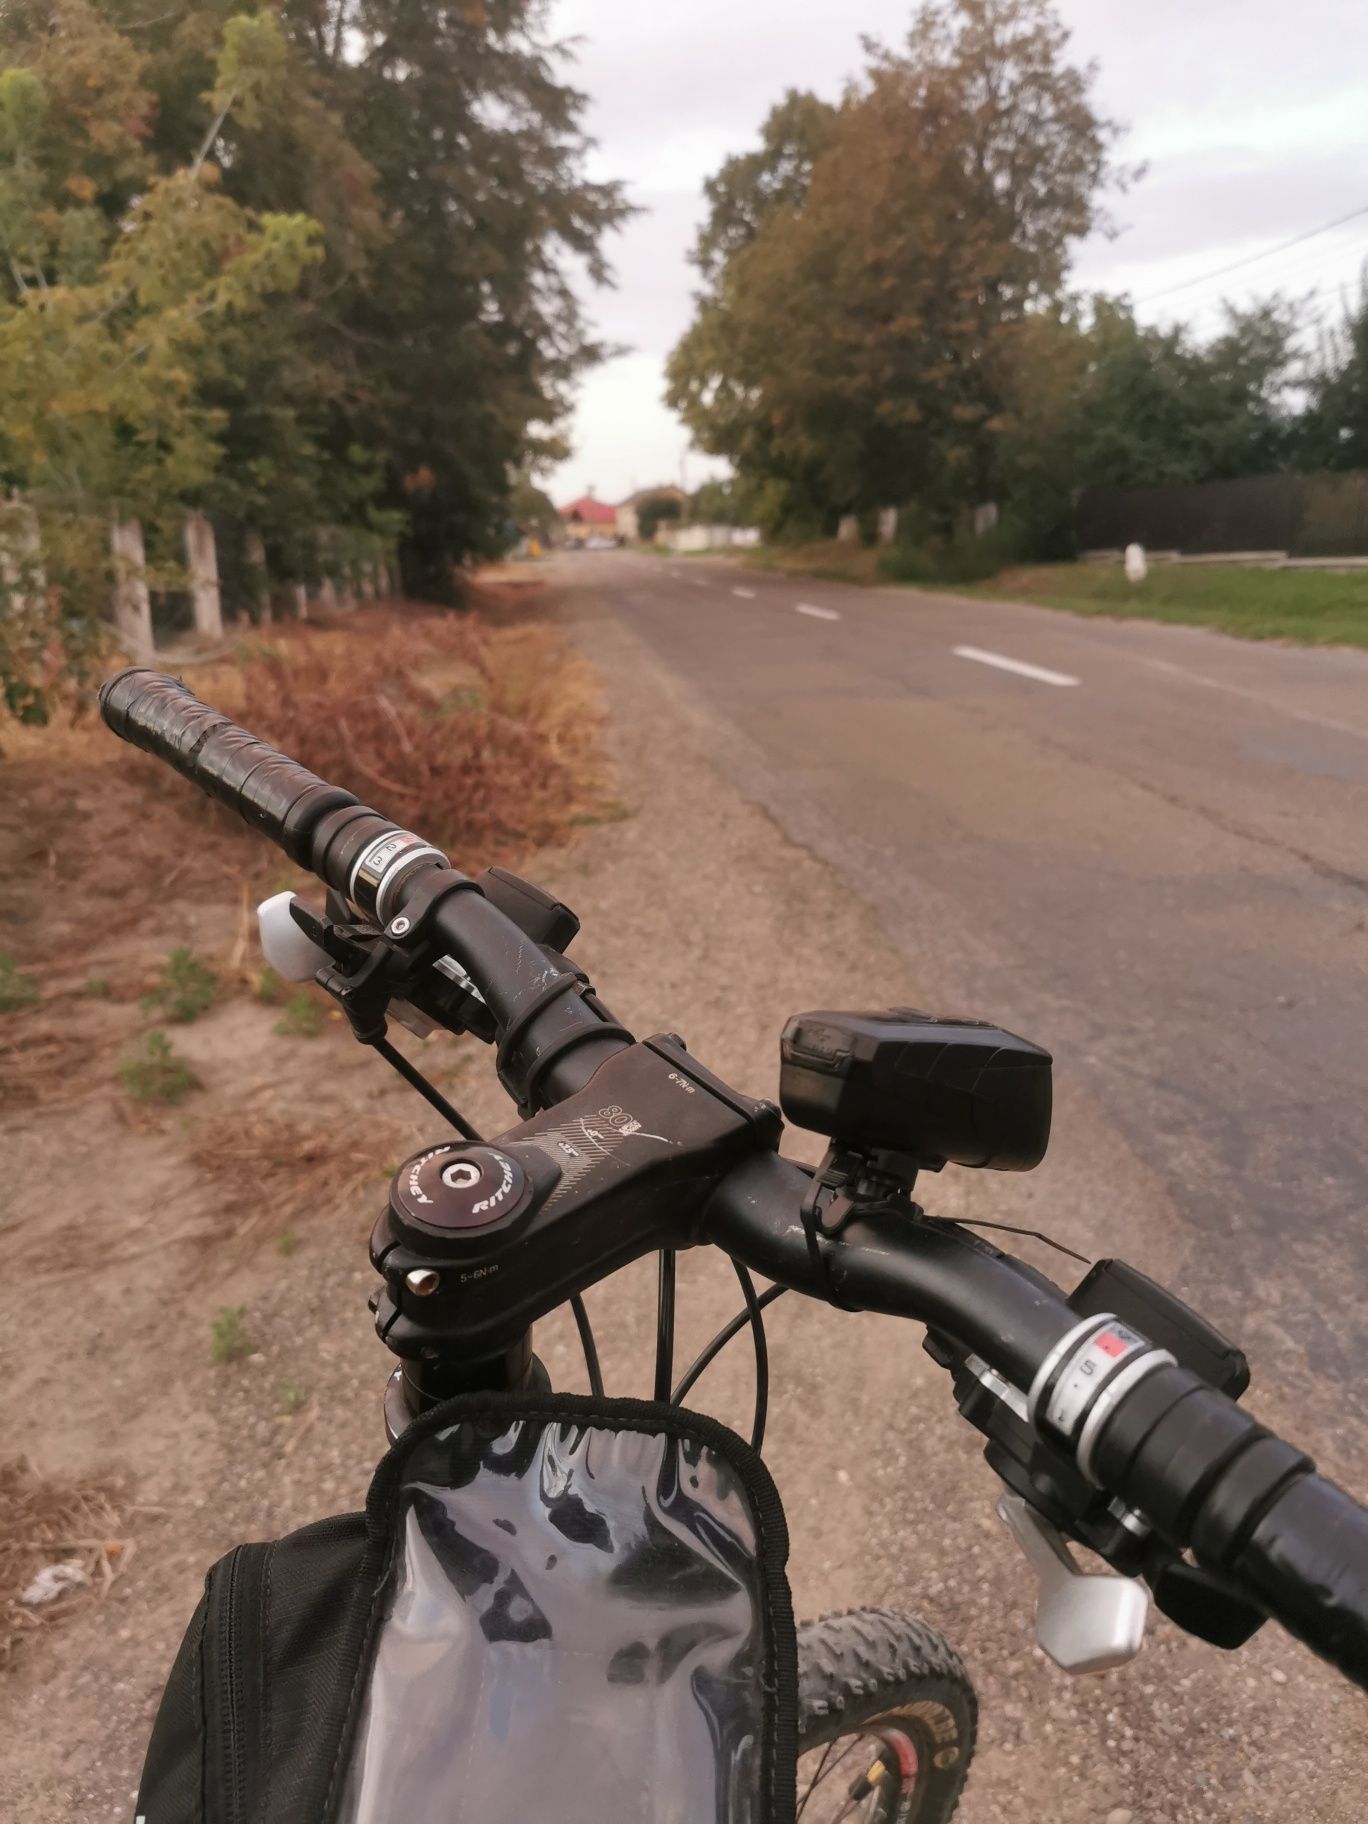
(1085, 1622)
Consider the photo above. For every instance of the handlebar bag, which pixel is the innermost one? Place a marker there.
(554, 1607)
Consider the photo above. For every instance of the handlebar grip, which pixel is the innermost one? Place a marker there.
(1307, 1561)
(1211, 1477)
(366, 858)
(271, 792)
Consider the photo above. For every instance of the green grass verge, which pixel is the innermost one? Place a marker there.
(1311, 607)
(833, 562)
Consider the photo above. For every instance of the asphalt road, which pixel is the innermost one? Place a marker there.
(1145, 847)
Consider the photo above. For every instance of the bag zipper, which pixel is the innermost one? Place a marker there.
(236, 1606)
(230, 1674)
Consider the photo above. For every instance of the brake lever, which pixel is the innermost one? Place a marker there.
(371, 974)
(1085, 1621)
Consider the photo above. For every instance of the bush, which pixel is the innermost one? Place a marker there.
(653, 511)
(184, 990)
(292, 1397)
(301, 1017)
(16, 989)
(481, 741)
(270, 987)
(227, 1338)
(155, 1074)
(924, 556)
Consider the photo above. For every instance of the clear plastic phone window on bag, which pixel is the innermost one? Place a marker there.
(571, 1630)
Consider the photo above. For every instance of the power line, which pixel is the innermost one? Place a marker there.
(1337, 272)
(1250, 258)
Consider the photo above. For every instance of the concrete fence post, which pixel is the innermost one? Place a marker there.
(258, 577)
(132, 602)
(201, 556)
(335, 590)
(888, 525)
(21, 556)
(848, 530)
(367, 570)
(301, 601)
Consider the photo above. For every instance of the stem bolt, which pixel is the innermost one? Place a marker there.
(422, 1281)
(399, 926)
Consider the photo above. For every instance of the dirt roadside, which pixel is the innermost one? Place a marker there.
(699, 916)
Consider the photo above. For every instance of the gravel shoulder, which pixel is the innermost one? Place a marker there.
(699, 915)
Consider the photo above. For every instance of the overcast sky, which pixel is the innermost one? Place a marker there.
(1251, 114)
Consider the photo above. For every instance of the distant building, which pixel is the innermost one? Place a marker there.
(627, 512)
(585, 517)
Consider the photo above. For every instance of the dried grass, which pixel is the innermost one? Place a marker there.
(270, 1175)
(263, 1176)
(483, 737)
(45, 1059)
(49, 1520)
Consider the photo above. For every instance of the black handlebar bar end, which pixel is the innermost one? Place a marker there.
(1307, 1559)
(273, 793)
(114, 703)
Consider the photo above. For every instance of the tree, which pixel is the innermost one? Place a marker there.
(293, 458)
(1247, 390)
(131, 293)
(441, 152)
(463, 334)
(532, 510)
(1334, 431)
(750, 187)
(1154, 406)
(1048, 362)
(654, 511)
(1099, 400)
(721, 503)
(853, 343)
(342, 230)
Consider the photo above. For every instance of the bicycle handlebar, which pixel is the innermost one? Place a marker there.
(1205, 1473)
(1249, 1505)
(273, 793)
(377, 866)
(933, 1271)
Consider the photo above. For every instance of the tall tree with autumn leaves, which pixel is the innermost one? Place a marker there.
(853, 342)
(886, 317)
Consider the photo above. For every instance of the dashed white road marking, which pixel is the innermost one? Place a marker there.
(818, 614)
(747, 595)
(1040, 673)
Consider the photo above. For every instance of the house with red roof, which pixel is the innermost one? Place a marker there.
(586, 516)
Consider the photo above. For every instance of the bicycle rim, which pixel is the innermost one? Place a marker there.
(874, 1775)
